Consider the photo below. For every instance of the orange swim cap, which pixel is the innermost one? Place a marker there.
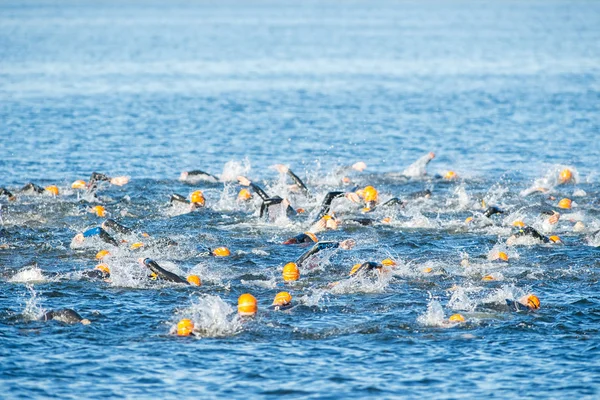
(197, 197)
(291, 272)
(104, 268)
(99, 211)
(565, 203)
(456, 318)
(79, 184)
(388, 262)
(221, 252)
(355, 268)
(427, 270)
(468, 219)
(282, 299)
(386, 220)
(53, 189)
(554, 239)
(502, 256)
(247, 304)
(370, 194)
(565, 176)
(136, 245)
(101, 254)
(488, 278)
(194, 280)
(533, 302)
(244, 195)
(185, 327)
(518, 223)
(450, 175)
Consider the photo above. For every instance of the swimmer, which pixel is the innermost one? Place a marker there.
(528, 231)
(159, 272)
(196, 176)
(101, 271)
(65, 315)
(271, 208)
(97, 177)
(298, 184)
(97, 231)
(9, 195)
(492, 210)
(344, 245)
(306, 237)
(419, 167)
(32, 188)
(282, 301)
(115, 226)
(529, 302)
(362, 269)
(195, 202)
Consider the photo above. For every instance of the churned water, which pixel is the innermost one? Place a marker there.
(506, 94)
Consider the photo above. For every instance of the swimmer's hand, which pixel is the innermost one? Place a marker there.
(119, 180)
(347, 244)
(85, 321)
(554, 218)
(359, 166)
(281, 168)
(353, 197)
(243, 181)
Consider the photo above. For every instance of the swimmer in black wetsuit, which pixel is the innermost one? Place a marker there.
(531, 232)
(196, 176)
(345, 245)
(101, 271)
(529, 302)
(98, 177)
(97, 231)
(196, 201)
(297, 181)
(5, 192)
(65, 315)
(271, 207)
(306, 237)
(159, 272)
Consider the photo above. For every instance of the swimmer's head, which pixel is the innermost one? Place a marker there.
(104, 268)
(519, 224)
(565, 176)
(554, 239)
(386, 220)
(244, 195)
(468, 220)
(531, 301)
(221, 252)
(78, 184)
(52, 189)
(282, 299)
(565, 203)
(355, 269)
(79, 237)
(347, 244)
(370, 195)
(450, 176)
(388, 262)
(101, 254)
(312, 236)
(197, 197)
(194, 280)
(185, 327)
(291, 272)
(456, 318)
(488, 278)
(99, 211)
(247, 305)
(136, 245)
(427, 270)
(502, 256)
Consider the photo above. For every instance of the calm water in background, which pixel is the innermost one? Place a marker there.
(502, 92)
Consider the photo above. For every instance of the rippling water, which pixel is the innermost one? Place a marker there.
(504, 92)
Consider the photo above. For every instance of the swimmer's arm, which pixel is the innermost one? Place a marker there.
(161, 272)
(298, 182)
(112, 224)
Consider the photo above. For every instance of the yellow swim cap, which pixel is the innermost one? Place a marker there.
(355, 268)
(221, 252)
(104, 268)
(79, 184)
(554, 239)
(185, 327)
(468, 219)
(565, 176)
(427, 270)
(450, 175)
(565, 203)
(99, 211)
(244, 195)
(388, 262)
(456, 318)
(136, 245)
(197, 197)
(488, 278)
(370, 194)
(533, 302)
(247, 304)
(502, 256)
(194, 280)
(519, 224)
(52, 189)
(291, 272)
(101, 254)
(282, 299)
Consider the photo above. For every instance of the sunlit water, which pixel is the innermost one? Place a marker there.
(505, 93)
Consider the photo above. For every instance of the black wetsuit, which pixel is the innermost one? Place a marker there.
(298, 239)
(115, 226)
(326, 204)
(32, 187)
(315, 249)
(178, 198)
(365, 267)
(163, 273)
(529, 231)
(198, 172)
(492, 210)
(64, 315)
(298, 182)
(5, 192)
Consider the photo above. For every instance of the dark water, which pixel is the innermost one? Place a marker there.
(504, 92)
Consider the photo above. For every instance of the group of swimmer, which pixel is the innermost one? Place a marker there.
(351, 204)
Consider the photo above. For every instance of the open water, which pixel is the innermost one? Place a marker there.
(505, 93)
